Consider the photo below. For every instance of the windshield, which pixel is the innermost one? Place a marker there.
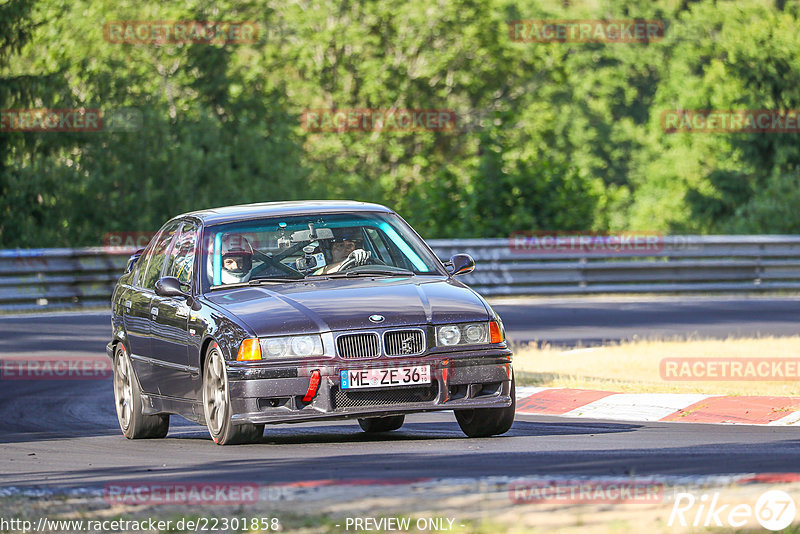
(292, 248)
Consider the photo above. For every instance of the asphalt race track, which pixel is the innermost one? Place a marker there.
(64, 433)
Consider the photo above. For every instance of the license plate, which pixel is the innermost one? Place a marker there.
(377, 378)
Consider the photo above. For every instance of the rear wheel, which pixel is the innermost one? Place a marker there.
(484, 422)
(128, 399)
(217, 404)
(381, 424)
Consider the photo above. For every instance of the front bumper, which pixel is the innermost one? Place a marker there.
(273, 394)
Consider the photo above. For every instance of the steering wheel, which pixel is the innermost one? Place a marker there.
(349, 263)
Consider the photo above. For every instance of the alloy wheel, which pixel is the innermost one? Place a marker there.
(123, 389)
(215, 392)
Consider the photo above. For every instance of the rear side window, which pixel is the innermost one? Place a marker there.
(158, 255)
(181, 259)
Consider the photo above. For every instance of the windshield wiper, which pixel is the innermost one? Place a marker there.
(259, 281)
(255, 282)
(371, 272)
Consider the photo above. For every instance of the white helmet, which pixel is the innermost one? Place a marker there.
(238, 249)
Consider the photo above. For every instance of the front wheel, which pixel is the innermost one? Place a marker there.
(485, 422)
(128, 398)
(381, 424)
(217, 404)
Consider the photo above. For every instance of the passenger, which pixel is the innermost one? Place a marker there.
(237, 260)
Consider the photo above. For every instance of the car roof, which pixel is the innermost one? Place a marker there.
(228, 214)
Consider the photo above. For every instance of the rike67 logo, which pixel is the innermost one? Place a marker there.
(773, 510)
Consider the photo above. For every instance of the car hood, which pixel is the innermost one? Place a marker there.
(292, 308)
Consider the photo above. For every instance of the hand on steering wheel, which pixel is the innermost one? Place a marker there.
(356, 258)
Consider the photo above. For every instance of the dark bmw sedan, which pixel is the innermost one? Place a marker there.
(288, 312)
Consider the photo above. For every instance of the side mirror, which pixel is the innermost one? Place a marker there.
(462, 264)
(169, 286)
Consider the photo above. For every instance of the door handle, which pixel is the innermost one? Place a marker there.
(154, 310)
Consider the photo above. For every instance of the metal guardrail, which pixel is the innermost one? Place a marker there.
(68, 278)
(43, 279)
(665, 264)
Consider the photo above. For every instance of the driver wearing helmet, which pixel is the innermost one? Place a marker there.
(236, 259)
(346, 251)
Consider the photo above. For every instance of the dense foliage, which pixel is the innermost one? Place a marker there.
(548, 136)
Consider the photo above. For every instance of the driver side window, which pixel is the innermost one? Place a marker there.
(181, 260)
(140, 266)
(157, 257)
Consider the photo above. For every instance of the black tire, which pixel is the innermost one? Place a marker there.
(128, 399)
(381, 424)
(485, 422)
(217, 404)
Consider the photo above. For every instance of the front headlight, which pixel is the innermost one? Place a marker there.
(292, 346)
(462, 334)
